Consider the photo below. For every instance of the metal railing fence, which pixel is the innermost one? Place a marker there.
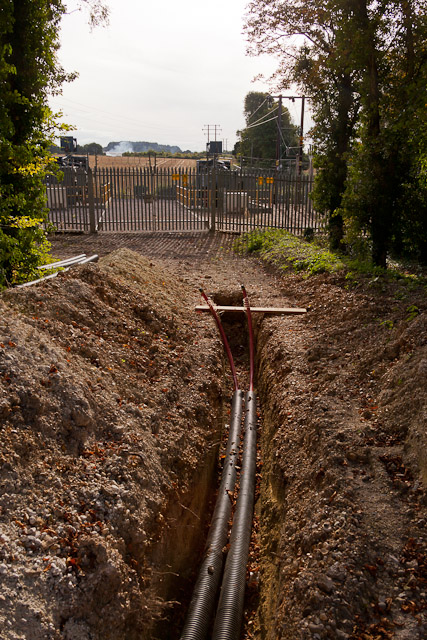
(155, 199)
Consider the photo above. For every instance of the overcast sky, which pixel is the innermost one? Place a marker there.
(161, 71)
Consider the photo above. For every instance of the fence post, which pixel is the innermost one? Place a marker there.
(212, 226)
(91, 202)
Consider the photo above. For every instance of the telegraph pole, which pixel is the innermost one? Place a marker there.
(279, 128)
(279, 133)
(301, 138)
(206, 127)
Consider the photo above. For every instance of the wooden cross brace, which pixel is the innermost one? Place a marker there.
(272, 311)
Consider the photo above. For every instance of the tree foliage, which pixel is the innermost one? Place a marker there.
(99, 12)
(92, 149)
(391, 62)
(29, 73)
(313, 53)
(362, 63)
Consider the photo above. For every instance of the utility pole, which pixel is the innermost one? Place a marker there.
(279, 133)
(301, 138)
(212, 175)
(208, 127)
(279, 128)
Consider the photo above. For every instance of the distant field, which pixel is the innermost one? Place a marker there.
(123, 162)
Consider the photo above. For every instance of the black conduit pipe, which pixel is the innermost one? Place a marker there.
(202, 604)
(203, 600)
(229, 614)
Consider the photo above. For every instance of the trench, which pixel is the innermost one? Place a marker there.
(180, 554)
(179, 550)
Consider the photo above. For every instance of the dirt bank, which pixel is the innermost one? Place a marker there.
(343, 528)
(112, 402)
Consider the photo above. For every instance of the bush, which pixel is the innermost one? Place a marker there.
(23, 249)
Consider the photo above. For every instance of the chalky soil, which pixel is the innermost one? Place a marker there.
(113, 394)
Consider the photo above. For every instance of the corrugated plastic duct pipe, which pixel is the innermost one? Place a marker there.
(201, 609)
(200, 612)
(229, 614)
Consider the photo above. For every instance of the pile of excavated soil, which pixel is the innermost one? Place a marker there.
(110, 389)
(111, 408)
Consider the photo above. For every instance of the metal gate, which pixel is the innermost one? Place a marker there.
(154, 199)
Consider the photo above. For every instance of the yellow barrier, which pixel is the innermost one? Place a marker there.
(191, 197)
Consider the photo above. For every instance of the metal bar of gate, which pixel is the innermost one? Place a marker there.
(127, 180)
(127, 186)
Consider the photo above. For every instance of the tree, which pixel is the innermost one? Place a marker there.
(389, 54)
(92, 148)
(410, 127)
(361, 63)
(29, 72)
(411, 236)
(259, 139)
(318, 65)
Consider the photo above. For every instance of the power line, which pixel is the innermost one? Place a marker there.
(282, 136)
(216, 127)
(264, 116)
(92, 116)
(258, 125)
(293, 98)
(258, 108)
(98, 116)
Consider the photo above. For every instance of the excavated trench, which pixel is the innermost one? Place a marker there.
(319, 570)
(299, 581)
(180, 550)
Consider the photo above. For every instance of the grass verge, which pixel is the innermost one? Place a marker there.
(287, 251)
(309, 257)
